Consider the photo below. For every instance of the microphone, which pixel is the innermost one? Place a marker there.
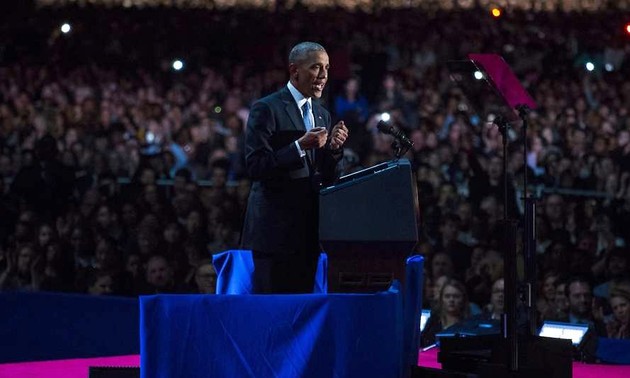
(397, 134)
(522, 109)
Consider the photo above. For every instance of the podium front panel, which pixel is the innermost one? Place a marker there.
(368, 226)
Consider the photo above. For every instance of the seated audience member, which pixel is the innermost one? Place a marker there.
(479, 285)
(133, 270)
(560, 304)
(438, 284)
(477, 256)
(100, 283)
(580, 296)
(459, 252)
(159, 276)
(452, 308)
(206, 278)
(441, 265)
(82, 247)
(617, 268)
(619, 326)
(495, 308)
(58, 271)
(473, 308)
(20, 273)
(547, 295)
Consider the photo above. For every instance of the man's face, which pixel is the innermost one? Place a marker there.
(206, 279)
(617, 266)
(449, 230)
(129, 214)
(158, 273)
(580, 298)
(310, 75)
(549, 288)
(102, 286)
(553, 207)
(103, 216)
(498, 295)
(171, 233)
(495, 168)
(441, 265)
(25, 257)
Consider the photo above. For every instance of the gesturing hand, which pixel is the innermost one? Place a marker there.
(338, 135)
(314, 138)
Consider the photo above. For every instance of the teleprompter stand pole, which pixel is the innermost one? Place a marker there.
(509, 327)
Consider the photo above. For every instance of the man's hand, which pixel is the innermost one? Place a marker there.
(314, 138)
(338, 136)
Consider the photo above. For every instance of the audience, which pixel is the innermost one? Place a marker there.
(119, 175)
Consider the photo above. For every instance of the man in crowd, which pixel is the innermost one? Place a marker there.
(580, 296)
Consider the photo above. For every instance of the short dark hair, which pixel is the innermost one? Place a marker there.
(301, 51)
(579, 279)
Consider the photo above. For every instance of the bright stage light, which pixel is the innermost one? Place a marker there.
(385, 117)
(590, 66)
(496, 12)
(65, 28)
(478, 75)
(178, 65)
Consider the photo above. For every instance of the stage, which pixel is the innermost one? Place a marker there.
(71, 368)
(78, 368)
(315, 335)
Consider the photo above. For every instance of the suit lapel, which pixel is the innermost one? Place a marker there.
(292, 110)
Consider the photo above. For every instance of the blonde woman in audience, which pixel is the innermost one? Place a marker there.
(619, 326)
(452, 307)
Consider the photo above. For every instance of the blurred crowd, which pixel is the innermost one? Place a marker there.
(121, 175)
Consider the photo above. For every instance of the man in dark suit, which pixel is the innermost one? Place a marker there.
(291, 151)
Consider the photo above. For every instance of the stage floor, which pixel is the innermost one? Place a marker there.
(74, 368)
(78, 368)
(580, 370)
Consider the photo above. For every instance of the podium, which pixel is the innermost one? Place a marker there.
(368, 226)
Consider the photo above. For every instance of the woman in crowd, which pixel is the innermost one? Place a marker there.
(619, 326)
(452, 308)
(547, 295)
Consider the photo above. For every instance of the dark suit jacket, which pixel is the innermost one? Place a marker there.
(282, 210)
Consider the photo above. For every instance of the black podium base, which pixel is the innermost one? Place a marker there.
(114, 372)
(489, 371)
(487, 356)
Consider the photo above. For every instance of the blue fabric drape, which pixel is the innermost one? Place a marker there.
(235, 269)
(50, 326)
(315, 335)
(414, 273)
(613, 351)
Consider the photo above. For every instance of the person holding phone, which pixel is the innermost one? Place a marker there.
(291, 151)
